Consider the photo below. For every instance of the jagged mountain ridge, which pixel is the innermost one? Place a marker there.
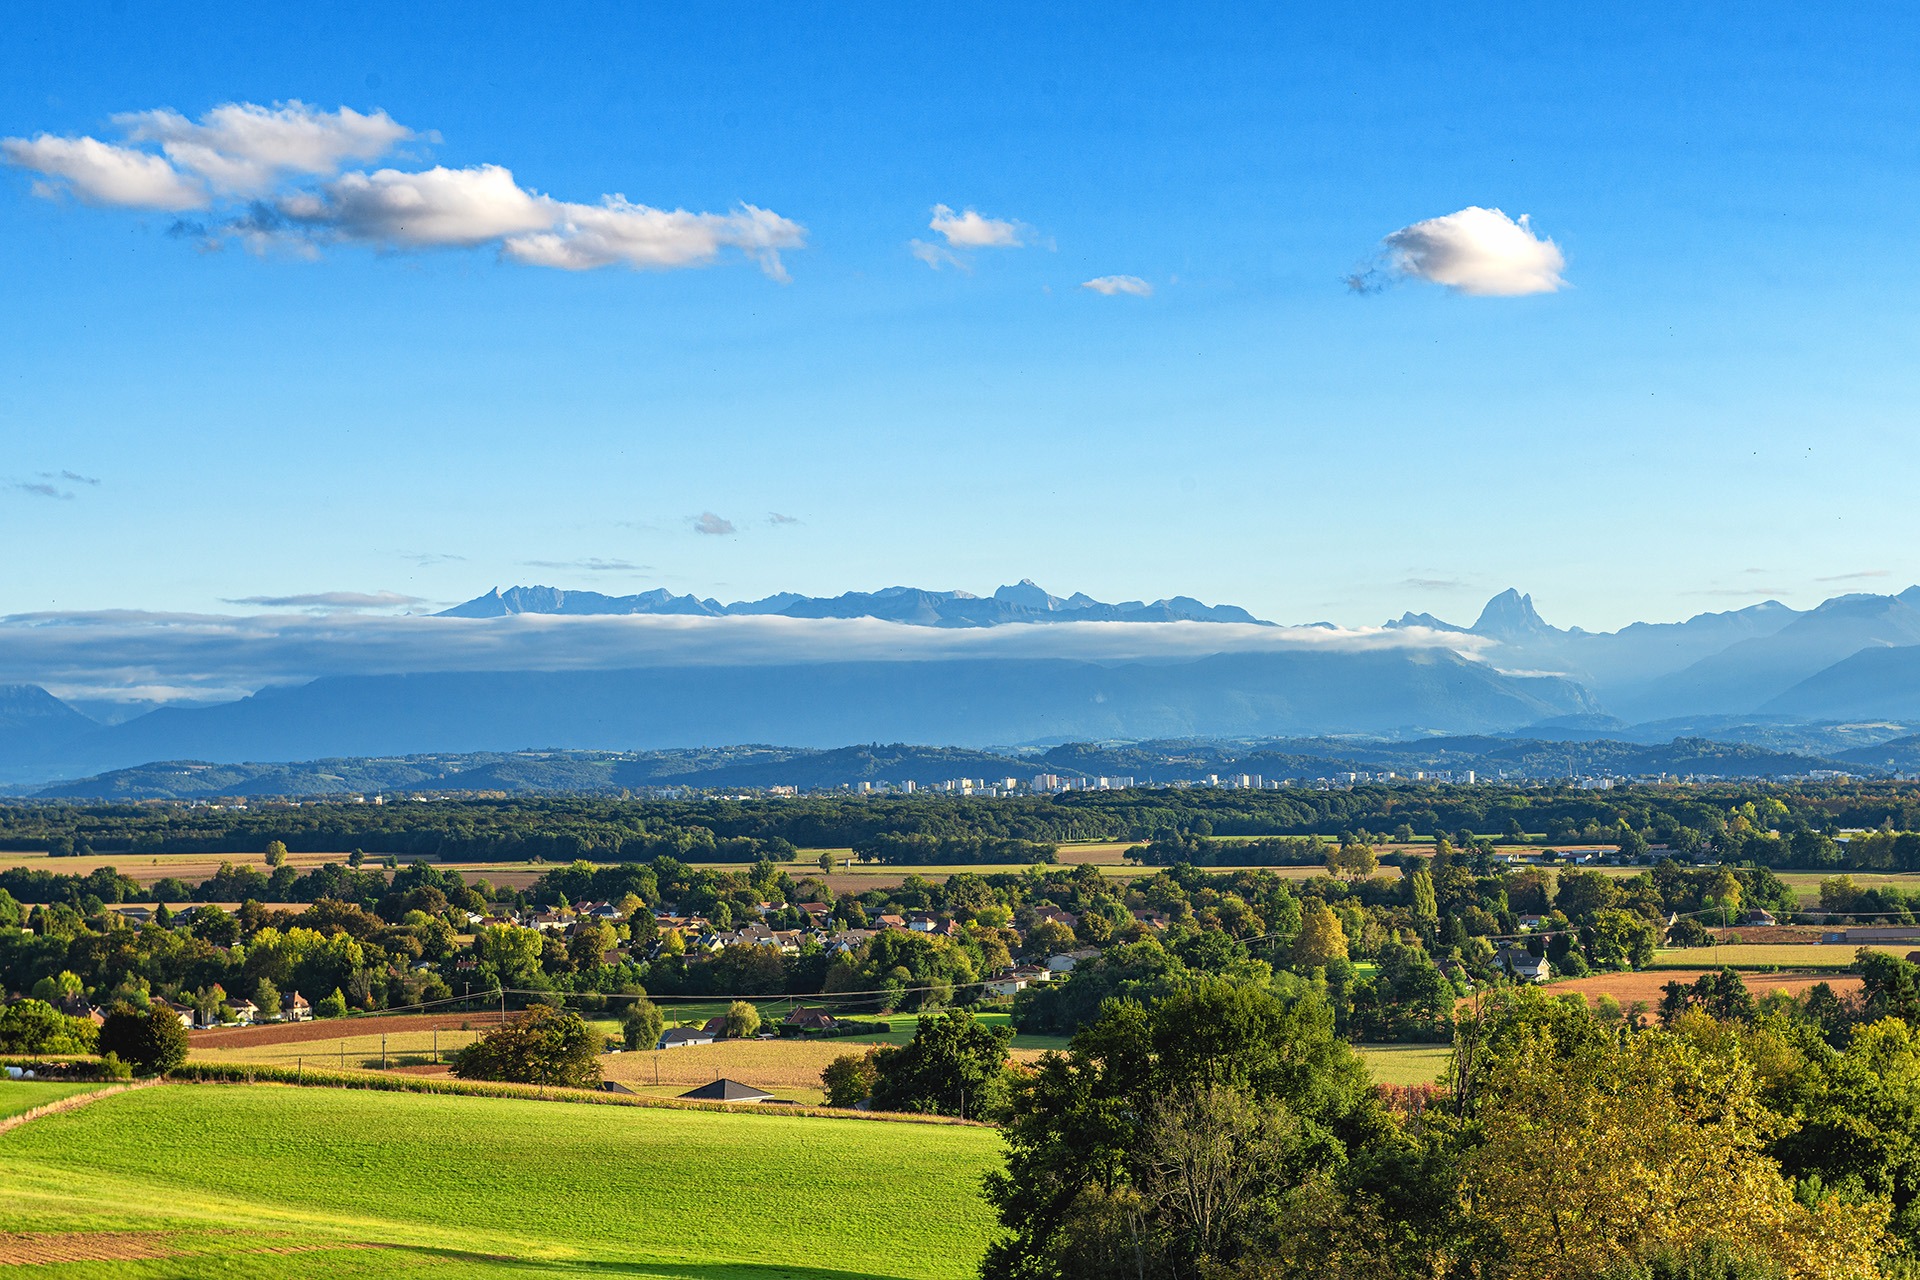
(1734, 663)
(1025, 601)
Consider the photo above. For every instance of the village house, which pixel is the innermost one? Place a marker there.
(805, 1019)
(684, 1037)
(1524, 965)
(298, 1009)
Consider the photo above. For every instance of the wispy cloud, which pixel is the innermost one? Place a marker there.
(712, 525)
(1857, 577)
(776, 519)
(962, 233)
(424, 558)
(1111, 285)
(1434, 584)
(328, 600)
(1476, 251)
(272, 177)
(49, 484)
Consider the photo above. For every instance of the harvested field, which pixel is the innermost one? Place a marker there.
(788, 1068)
(1646, 986)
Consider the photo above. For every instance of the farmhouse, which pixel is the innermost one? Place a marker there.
(298, 1009)
(684, 1037)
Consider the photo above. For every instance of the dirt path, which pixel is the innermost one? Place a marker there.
(70, 1103)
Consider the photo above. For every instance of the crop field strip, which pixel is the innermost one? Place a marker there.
(626, 1190)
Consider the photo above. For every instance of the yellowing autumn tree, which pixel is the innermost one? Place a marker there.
(1321, 938)
(1599, 1154)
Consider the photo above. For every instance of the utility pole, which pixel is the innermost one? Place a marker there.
(383, 1052)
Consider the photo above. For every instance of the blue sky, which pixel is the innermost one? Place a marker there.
(1716, 408)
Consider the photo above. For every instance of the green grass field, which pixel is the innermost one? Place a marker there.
(1746, 955)
(1404, 1063)
(17, 1096)
(486, 1187)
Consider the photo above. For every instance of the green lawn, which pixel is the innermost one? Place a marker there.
(24, 1095)
(488, 1187)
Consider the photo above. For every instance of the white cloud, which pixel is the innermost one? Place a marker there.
(1110, 285)
(973, 230)
(246, 148)
(102, 173)
(435, 208)
(1476, 251)
(965, 232)
(619, 231)
(712, 525)
(273, 177)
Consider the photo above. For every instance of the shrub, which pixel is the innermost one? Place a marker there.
(333, 1006)
(849, 1078)
(541, 1047)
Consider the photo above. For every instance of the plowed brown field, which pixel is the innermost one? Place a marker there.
(336, 1028)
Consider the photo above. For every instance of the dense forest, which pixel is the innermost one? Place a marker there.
(1776, 825)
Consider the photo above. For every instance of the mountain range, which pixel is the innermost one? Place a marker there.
(1806, 688)
(913, 606)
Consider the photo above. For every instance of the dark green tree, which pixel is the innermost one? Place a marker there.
(954, 1066)
(150, 1040)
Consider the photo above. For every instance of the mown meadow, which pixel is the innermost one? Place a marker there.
(491, 1187)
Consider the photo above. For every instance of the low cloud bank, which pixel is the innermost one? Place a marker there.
(126, 655)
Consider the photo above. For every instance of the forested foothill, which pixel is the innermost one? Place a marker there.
(1779, 825)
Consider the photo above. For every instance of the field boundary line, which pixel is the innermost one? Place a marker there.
(236, 1073)
(72, 1103)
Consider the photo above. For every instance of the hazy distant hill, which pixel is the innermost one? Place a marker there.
(970, 702)
(1145, 762)
(34, 724)
(1882, 681)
